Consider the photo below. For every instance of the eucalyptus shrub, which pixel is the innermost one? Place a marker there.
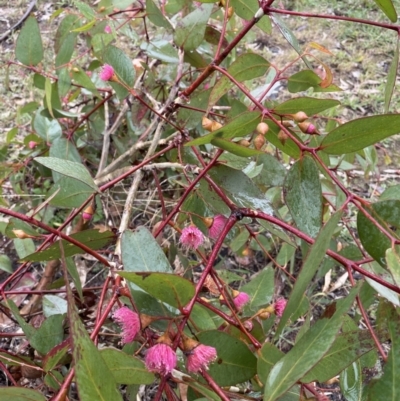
(156, 146)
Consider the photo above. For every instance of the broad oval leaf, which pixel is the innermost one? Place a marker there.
(68, 168)
(247, 9)
(123, 68)
(169, 288)
(240, 188)
(125, 368)
(373, 240)
(360, 133)
(94, 239)
(189, 32)
(141, 252)
(29, 47)
(155, 15)
(303, 195)
(309, 105)
(235, 362)
(93, 378)
(21, 393)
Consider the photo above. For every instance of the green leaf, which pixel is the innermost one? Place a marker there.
(73, 272)
(29, 47)
(289, 36)
(48, 335)
(351, 382)
(309, 105)
(81, 78)
(94, 239)
(303, 80)
(126, 369)
(303, 195)
(69, 192)
(246, 66)
(21, 394)
(142, 253)
(56, 355)
(289, 146)
(161, 50)
(5, 264)
(387, 7)
(67, 47)
(247, 9)
(393, 263)
(235, 363)
(123, 68)
(46, 128)
(311, 347)
(373, 240)
(348, 347)
(93, 377)
(360, 133)
(268, 356)
(24, 247)
(54, 305)
(309, 268)
(169, 288)
(240, 126)
(240, 188)
(387, 387)
(69, 23)
(68, 168)
(261, 289)
(155, 16)
(189, 31)
(273, 172)
(391, 77)
(235, 148)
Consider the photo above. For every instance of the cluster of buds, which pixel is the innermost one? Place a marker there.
(230, 10)
(161, 358)
(277, 308)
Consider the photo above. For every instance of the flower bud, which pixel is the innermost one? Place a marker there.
(244, 142)
(282, 136)
(32, 144)
(300, 116)
(230, 12)
(206, 123)
(308, 128)
(259, 141)
(215, 126)
(262, 128)
(88, 213)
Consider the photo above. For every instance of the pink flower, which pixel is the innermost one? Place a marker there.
(129, 321)
(160, 358)
(200, 357)
(106, 72)
(217, 226)
(191, 237)
(32, 144)
(107, 29)
(241, 300)
(87, 216)
(280, 306)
